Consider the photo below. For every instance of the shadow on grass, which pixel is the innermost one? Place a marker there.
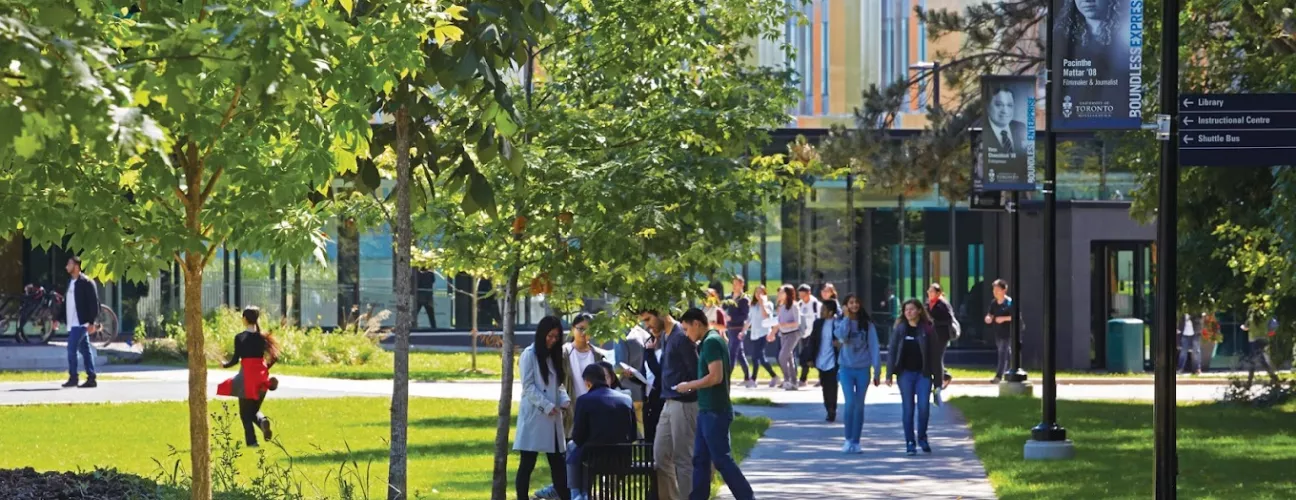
(380, 455)
(451, 422)
(1218, 445)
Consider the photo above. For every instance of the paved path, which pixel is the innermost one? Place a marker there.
(800, 449)
(147, 383)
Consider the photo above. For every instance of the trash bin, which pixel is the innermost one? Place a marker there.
(1125, 345)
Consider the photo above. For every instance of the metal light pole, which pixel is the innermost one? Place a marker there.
(1048, 439)
(1167, 466)
(1015, 372)
(954, 288)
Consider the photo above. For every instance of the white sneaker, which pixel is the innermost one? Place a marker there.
(775, 382)
(846, 447)
(855, 448)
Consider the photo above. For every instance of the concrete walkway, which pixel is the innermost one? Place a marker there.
(152, 383)
(800, 456)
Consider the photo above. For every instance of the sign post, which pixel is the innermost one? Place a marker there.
(1214, 128)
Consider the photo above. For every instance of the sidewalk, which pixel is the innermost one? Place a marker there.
(800, 456)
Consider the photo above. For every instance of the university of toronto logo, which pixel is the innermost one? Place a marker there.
(1066, 107)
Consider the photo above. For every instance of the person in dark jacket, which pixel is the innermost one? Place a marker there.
(738, 318)
(910, 357)
(823, 347)
(603, 417)
(1000, 320)
(947, 330)
(82, 300)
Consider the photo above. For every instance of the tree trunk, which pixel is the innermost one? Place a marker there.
(397, 477)
(476, 299)
(499, 485)
(199, 445)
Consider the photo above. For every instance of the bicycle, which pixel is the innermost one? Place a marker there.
(41, 308)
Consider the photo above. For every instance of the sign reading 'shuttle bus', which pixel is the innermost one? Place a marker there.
(1098, 54)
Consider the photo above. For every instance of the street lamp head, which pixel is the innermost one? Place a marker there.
(923, 65)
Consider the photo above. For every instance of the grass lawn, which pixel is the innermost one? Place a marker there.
(1225, 452)
(424, 366)
(451, 442)
(43, 376)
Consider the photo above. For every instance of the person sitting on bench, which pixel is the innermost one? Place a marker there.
(603, 417)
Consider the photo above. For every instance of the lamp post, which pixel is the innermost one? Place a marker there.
(1048, 439)
(934, 68)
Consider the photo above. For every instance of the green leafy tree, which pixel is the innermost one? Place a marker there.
(245, 136)
(642, 109)
(414, 59)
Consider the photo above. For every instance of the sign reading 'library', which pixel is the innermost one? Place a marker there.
(1237, 130)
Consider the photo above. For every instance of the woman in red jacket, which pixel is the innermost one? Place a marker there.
(255, 352)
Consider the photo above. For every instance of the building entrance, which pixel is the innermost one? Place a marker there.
(1122, 287)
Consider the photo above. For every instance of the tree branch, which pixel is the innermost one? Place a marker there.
(220, 169)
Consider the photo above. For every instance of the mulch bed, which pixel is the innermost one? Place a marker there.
(100, 484)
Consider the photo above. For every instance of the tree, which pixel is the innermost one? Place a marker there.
(474, 259)
(245, 138)
(419, 57)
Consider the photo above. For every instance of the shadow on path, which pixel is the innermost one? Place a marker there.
(800, 457)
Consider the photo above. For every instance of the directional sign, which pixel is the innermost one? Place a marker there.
(1237, 129)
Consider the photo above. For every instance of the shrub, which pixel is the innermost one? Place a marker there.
(298, 346)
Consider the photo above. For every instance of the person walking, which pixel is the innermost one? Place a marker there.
(859, 354)
(738, 313)
(1190, 328)
(677, 425)
(911, 359)
(1000, 319)
(715, 411)
(761, 328)
(824, 347)
(808, 308)
(82, 300)
(255, 352)
(947, 330)
(540, 421)
(789, 333)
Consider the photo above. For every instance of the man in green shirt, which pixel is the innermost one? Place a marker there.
(715, 411)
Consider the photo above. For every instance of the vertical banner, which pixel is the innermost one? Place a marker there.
(1007, 159)
(1098, 60)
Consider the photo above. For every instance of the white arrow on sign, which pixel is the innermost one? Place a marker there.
(1187, 139)
(1187, 103)
(1187, 120)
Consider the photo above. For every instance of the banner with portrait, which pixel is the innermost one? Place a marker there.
(1007, 140)
(1098, 65)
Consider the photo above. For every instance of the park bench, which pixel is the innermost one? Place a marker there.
(620, 472)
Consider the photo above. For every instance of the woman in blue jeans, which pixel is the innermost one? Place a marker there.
(858, 356)
(909, 357)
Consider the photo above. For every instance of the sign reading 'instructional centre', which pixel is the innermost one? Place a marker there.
(1099, 53)
(1239, 130)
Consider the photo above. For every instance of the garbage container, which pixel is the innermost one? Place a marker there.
(1125, 345)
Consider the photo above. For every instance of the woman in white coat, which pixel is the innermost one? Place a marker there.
(540, 417)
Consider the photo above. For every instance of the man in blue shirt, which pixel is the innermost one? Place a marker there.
(677, 426)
